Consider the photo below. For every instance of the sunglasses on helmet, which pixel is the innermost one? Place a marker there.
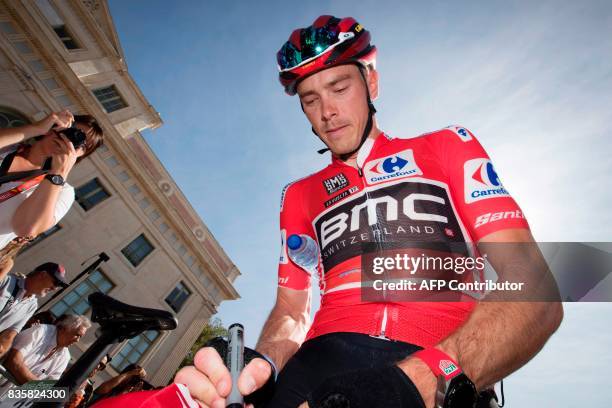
(315, 41)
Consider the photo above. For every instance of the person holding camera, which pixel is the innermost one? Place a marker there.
(34, 194)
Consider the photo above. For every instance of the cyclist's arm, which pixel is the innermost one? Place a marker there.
(498, 337)
(286, 327)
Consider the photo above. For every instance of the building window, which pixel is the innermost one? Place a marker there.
(110, 98)
(134, 349)
(176, 299)
(75, 301)
(137, 250)
(11, 119)
(41, 237)
(58, 25)
(91, 194)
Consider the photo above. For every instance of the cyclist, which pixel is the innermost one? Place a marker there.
(438, 187)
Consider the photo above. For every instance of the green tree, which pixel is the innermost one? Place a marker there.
(212, 329)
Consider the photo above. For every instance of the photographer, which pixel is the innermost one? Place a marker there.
(36, 202)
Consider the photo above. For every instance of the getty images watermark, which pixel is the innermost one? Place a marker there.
(544, 271)
(449, 264)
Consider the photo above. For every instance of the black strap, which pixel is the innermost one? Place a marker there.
(6, 163)
(6, 177)
(11, 299)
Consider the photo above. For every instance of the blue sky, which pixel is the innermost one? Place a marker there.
(532, 80)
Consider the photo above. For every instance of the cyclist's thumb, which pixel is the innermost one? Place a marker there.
(254, 376)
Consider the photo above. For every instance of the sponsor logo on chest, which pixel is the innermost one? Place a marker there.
(393, 167)
(403, 213)
(336, 183)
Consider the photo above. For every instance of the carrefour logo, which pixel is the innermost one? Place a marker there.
(482, 181)
(486, 174)
(395, 166)
(462, 132)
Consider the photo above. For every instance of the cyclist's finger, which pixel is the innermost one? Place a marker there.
(254, 376)
(200, 387)
(209, 362)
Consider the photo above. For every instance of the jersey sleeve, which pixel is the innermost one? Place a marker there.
(292, 221)
(482, 201)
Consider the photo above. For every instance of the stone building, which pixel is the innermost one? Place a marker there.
(57, 54)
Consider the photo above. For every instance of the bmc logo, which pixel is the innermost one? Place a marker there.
(337, 225)
(396, 166)
(402, 213)
(481, 181)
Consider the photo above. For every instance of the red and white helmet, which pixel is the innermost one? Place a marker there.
(328, 42)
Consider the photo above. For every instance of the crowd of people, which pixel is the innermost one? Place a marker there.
(35, 161)
(35, 346)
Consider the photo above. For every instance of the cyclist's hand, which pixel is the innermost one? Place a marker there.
(209, 381)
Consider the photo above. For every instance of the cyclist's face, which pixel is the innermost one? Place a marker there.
(335, 102)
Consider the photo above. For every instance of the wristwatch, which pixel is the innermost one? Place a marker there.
(55, 179)
(454, 388)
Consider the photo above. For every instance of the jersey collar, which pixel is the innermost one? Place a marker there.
(366, 149)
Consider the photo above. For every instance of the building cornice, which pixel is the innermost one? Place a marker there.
(137, 156)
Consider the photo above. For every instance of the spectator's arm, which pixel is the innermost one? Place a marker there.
(18, 134)
(6, 340)
(38, 213)
(16, 366)
(108, 385)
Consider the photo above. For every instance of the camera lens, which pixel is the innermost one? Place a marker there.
(76, 136)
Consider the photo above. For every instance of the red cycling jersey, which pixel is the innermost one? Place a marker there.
(438, 187)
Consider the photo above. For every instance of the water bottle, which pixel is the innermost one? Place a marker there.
(304, 251)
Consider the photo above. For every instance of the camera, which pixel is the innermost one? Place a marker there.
(76, 136)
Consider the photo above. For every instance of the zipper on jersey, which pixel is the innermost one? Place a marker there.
(383, 327)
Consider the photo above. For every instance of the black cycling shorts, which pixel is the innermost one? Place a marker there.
(329, 355)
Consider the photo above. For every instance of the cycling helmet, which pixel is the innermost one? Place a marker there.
(328, 42)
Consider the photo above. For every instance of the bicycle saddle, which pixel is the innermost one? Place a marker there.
(126, 321)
